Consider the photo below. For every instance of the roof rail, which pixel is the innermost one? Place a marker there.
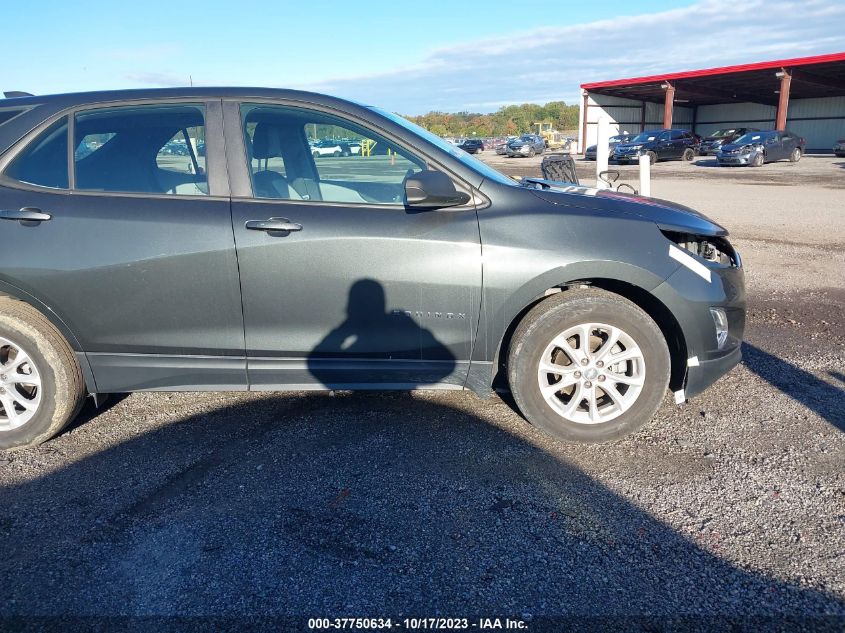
(11, 94)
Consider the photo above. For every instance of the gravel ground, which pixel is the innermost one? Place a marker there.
(441, 503)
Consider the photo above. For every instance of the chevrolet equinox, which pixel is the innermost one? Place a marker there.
(244, 263)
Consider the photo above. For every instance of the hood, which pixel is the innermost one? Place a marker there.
(667, 215)
(632, 143)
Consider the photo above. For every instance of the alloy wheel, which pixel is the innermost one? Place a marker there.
(591, 373)
(20, 386)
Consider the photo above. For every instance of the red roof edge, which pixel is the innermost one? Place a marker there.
(724, 70)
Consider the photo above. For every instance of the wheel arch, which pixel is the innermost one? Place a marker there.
(8, 291)
(637, 294)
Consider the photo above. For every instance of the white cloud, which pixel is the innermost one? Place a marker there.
(550, 63)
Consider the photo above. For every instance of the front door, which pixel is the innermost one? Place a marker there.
(343, 287)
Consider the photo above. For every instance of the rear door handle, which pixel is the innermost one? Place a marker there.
(273, 224)
(24, 215)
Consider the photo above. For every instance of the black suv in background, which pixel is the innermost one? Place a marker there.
(592, 151)
(472, 145)
(658, 145)
(712, 142)
(260, 267)
(756, 148)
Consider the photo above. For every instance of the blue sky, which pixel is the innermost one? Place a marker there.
(403, 56)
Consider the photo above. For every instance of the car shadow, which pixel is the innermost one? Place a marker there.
(356, 505)
(823, 398)
(382, 505)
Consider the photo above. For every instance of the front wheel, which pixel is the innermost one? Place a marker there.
(41, 386)
(652, 157)
(587, 365)
(758, 160)
(795, 156)
(531, 152)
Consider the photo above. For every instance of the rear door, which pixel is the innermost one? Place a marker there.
(357, 291)
(138, 255)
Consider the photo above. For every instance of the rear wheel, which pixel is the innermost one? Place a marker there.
(688, 155)
(41, 385)
(795, 156)
(587, 365)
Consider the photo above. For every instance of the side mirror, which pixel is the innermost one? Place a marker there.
(432, 190)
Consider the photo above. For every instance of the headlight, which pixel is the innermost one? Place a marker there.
(635, 147)
(713, 249)
(720, 321)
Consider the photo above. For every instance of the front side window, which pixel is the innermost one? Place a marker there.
(297, 154)
(44, 161)
(157, 149)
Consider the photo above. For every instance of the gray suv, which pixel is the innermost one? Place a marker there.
(251, 265)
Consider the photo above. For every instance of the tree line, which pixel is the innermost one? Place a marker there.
(507, 120)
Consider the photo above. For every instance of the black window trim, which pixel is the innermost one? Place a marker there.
(239, 169)
(212, 107)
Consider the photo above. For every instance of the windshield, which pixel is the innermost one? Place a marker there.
(455, 152)
(722, 133)
(619, 139)
(526, 137)
(751, 137)
(645, 136)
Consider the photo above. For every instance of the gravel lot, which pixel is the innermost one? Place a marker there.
(441, 503)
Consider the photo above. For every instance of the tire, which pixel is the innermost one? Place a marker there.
(689, 155)
(531, 152)
(564, 312)
(61, 393)
(652, 157)
(316, 155)
(758, 161)
(336, 154)
(795, 156)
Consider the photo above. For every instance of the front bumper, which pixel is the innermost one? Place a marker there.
(736, 159)
(689, 297)
(521, 151)
(627, 156)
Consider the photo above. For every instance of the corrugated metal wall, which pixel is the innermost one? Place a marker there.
(820, 121)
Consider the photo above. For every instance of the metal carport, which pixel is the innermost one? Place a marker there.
(805, 94)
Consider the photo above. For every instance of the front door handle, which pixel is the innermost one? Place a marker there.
(273, 224)
(25, 215)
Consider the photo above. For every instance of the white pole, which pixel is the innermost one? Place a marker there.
(645, 175)
(602, 150)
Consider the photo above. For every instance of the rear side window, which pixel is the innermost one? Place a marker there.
(44, 161)
(157, 149)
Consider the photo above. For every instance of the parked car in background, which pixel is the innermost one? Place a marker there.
(326, 148)
(500, 146)
(276, 271)
(711, 143)
(839, 148)
(658, 145)
(472, 145)
(526, 145)
(590, 153)
(756, 148)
